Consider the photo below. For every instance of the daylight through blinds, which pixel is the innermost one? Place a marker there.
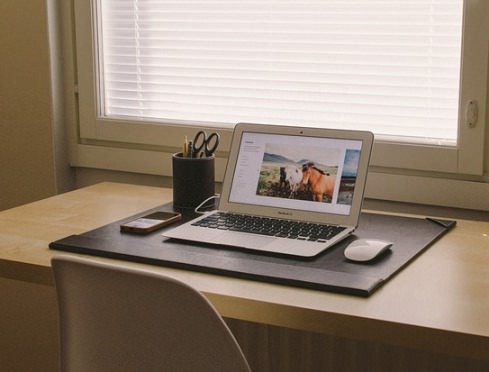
(389, 66)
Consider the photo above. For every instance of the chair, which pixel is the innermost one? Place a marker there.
(117, 318)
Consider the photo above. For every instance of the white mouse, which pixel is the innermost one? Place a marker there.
(366, 249)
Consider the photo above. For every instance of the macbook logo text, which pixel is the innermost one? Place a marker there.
(282, 213)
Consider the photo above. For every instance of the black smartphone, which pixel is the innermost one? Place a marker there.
(150, 222)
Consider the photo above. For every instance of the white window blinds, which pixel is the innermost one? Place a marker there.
(389, 66)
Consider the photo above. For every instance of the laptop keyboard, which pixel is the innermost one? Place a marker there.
(270, 226)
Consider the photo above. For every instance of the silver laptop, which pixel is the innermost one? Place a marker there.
(287, 190)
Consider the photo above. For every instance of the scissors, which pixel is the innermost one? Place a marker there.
(205, 145)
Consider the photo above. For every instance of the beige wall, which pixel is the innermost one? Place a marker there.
(29, 133)
(26, 133)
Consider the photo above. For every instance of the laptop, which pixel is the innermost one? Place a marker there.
(310, 180)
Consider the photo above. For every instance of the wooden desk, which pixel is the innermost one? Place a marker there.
(433, 315)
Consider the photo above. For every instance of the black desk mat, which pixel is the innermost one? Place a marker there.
(329, 271)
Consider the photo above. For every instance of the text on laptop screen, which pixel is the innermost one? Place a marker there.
(297, 172)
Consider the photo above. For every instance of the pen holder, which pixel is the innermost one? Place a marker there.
(193, 181)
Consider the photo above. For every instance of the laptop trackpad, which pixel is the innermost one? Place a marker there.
(271, 244)
(244, 240)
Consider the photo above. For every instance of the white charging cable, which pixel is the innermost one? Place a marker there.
(196, 210)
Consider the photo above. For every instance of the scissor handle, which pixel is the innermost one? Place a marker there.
(214, 140)
(200, 141)
(204, 143)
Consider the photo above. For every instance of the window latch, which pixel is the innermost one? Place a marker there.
(471, 113)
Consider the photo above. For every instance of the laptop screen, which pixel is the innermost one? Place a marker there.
(305, 171)
(297, 172)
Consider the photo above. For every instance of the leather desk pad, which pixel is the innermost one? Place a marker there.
(329, 271)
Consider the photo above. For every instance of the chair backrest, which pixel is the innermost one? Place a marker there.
(117, 318)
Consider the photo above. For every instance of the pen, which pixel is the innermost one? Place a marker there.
(190, 149)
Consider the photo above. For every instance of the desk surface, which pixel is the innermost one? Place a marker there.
(439, 303)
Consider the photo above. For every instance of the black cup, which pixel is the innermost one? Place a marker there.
(193, 181)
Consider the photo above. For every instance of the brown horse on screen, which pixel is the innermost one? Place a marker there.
(320, 183)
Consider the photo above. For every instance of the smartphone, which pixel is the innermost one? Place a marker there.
(150, 222)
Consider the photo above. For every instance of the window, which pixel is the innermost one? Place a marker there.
(391, 67)
(149, 72)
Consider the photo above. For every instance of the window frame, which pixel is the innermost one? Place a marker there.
(146, 146)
